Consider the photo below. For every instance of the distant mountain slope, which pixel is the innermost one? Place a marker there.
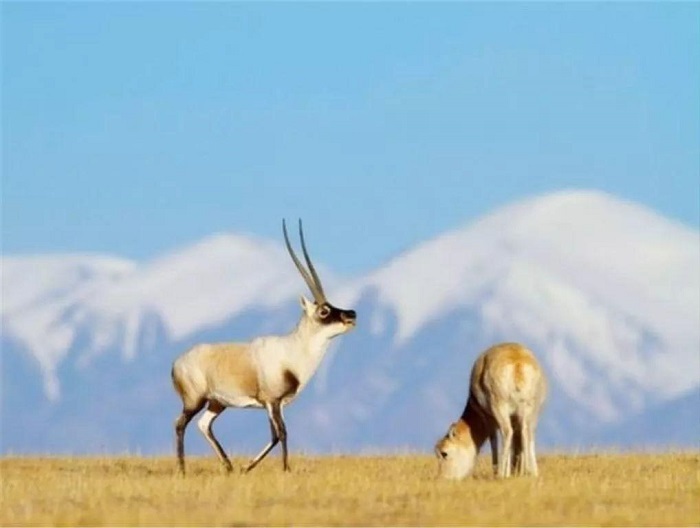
(672, 423)
(606, 292)
(41, 296)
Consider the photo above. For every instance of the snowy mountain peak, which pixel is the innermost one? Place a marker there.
(205, 283)
(586, 238)
(224, 245)
(27, 280)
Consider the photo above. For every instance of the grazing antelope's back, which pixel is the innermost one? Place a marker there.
(507, 389)
(508, 375)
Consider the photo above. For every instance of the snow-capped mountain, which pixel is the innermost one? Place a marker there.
(39, 297)
(606, 292)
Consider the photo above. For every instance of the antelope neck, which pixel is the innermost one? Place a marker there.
(309, 346)
(474, 418)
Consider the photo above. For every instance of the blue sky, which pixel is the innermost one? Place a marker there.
(137, 128)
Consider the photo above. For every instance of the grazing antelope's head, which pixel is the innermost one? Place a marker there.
(330, 320)
(456, 452)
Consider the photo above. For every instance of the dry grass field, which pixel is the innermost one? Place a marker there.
(630, 490)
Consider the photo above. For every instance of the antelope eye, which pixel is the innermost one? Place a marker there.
(323, 312)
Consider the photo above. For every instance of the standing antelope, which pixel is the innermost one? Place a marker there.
(507, 389)
(268, 372)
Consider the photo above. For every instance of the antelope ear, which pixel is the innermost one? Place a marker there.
(308, 306)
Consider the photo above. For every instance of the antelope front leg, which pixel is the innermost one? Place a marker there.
(281, 434)
(273, 442)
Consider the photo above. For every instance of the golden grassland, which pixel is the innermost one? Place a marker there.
(606, 489)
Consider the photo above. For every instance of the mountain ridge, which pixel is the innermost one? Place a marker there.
(601, 289)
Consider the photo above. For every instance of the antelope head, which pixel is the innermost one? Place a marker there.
(319, 312)
(456, 452)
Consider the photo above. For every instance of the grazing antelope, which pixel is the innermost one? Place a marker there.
(507, 389)
(268, 372)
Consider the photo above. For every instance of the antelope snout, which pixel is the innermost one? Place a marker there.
(348, 317)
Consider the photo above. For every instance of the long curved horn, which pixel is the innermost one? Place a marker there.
(318, 296)
(317, 281)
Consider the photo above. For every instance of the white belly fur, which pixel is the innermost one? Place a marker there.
(235, 400)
